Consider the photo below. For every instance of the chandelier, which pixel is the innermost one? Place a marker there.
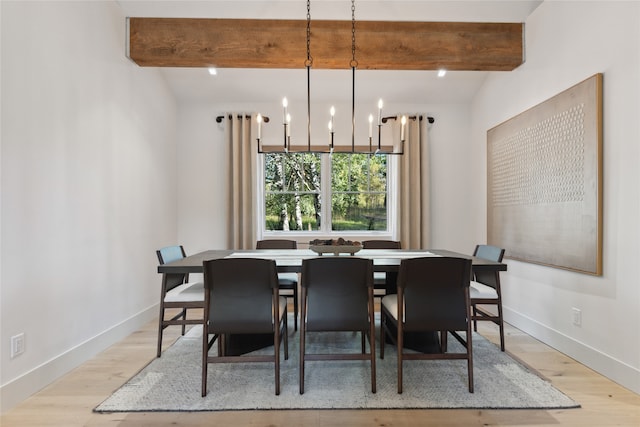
(372, 147)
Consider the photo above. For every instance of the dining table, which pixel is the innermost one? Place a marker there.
(290, 260)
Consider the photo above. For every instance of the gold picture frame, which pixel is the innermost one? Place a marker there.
(544, 181)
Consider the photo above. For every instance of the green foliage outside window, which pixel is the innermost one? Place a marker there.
(293, 193)
(359, 192)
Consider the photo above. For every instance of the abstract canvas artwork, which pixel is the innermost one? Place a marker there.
(544, 181)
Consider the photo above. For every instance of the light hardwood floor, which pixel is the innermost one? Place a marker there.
(69, 401)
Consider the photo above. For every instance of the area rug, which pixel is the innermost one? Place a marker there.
(172, 382)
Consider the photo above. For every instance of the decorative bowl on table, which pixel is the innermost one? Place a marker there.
(334, 246)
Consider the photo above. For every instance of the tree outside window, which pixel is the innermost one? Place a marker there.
(294, 186)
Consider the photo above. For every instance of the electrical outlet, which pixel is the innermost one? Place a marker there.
(17, 345)
(577, 316)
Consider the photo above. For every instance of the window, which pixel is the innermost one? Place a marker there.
(297, 186)
(358, 192)
(292, 192)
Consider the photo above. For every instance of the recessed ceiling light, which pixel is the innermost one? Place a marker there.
(442, 72)
(213, 71)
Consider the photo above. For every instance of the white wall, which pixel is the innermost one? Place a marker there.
(202, 162)
(88, 188)
(567, 42)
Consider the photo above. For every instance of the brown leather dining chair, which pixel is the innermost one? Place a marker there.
(337, 295)
(288, 282)
(433, 295)
(485, 290)
(383, 282)
(242, 297)
(177, 292)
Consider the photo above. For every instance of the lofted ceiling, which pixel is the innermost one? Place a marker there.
(266, 85)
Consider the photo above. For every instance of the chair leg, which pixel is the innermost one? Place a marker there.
(286, 335)
(501, 326)
(372, 348)
(475, 316)
(295, 308)
(301, 369)
(400, 344)
(276, 354)
(205, 355)
(470, 359)
(160, 329)
(184, 319)
(383, 332)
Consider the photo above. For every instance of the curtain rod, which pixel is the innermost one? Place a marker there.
(240, 116)
(384, 120)
(429, 118)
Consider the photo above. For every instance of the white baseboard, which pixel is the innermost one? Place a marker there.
(616, 370)
(17, 390)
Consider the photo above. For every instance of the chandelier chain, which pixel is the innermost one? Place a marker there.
(354, 63)
(309, 60)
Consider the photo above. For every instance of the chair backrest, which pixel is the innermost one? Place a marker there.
(276, 244)
(239, 295)
(337, 290)
(435, 292)
(170, 254)
(491, 253)
(381, 244)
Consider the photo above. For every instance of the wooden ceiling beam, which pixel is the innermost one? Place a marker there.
(381, 45)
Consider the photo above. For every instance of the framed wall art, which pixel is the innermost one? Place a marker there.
(544, 181)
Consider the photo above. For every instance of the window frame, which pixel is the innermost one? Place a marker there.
(326, 192)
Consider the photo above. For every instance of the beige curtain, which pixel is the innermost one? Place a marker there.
(413, 185)
(243, 160)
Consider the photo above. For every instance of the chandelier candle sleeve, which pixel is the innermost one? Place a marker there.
(332, 111)
(284, 106)
(404, 122)
(380, 112)
(259, 120)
